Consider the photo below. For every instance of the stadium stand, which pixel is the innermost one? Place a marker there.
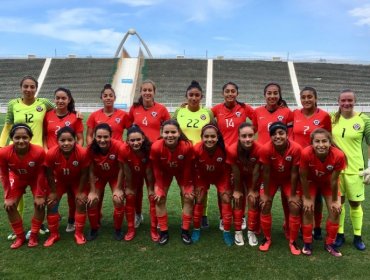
(85, 77)
(329, 79)
(172, 77)
(11, 72)
(251, 77)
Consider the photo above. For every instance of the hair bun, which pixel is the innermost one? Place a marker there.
(107, 86)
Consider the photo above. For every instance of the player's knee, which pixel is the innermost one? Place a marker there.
(226, 198)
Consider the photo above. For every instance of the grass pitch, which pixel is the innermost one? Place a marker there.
(208, 259)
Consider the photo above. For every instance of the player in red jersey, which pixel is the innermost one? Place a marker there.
(211, 168)
(117, 119)
(275, 110)
(22, 165)
(106, 167)
(63, 115)
(280, 159)
(320, 166)
(149, 116)
(172, 157)
(67, 169)
(137, 166)
(306, 120)
(243, 156)
(229, 116)
(231, 113)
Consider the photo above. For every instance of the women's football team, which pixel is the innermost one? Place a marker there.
(248, 154)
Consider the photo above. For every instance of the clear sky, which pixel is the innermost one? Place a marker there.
(294, 29)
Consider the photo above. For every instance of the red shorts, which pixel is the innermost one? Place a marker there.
(18, 187)
(162, 184)
(223, 184)
(73, 187)
(284, 188)
(324, 188)
(100, 183)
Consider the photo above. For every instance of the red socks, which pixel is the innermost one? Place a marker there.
(53, 223)
(227, 215)
(186, 221)
(198, 213)
(80, 220)
(17, 227)
(266, 223)
(152, 212)
(94, 216)
(294, 225)
(163, 222)
(307, 233)
(130, 211)
(238, 219)
(331, 232)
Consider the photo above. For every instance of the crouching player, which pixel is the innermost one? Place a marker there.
(211, 168)
(243, 157)
(105, 167)
(321, 164)
(172, 157)
(22, 165)
(67, 169)
(280, 158)
(137, 166)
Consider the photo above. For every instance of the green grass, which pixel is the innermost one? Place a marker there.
(143, 259)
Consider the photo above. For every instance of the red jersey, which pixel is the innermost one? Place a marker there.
(107, 166)
(210, 167)
(137, 162)
(27, 169)
(67, 170)
(281, 165)
(321, 171)
(228, 120)
(118, 121)
(167, 164)
(303, 126)
(150, 119)
(246, 169)
(263, 119)
(52, 123)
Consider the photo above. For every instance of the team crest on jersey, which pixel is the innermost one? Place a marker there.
(39, 109)
(143, 160)
(238, 114)
(280, 118)
(31, 164)
(288, 158)
(75, 163)
(67, 123)
(112, 157)
(203, 117)
(253, 159)
(154, 114)
(219, 159)
(330, 167)
(118, 120)
(180, 156)
(316, 122)
(356, 126)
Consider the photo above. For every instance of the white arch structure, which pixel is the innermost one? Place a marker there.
(132, 31)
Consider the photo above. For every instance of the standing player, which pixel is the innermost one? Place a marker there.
(63, 115)
(231, 113)
(192, 117)
(137, 166)
(306, 120)
(22, 165)
(106, 167)
(29, 110)
(149, 116)
(117, 119)
(211, 168)
(280, 159)
(349, 130)
(172, 157)
(67, 169)
(243, 156)
(320, 166)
